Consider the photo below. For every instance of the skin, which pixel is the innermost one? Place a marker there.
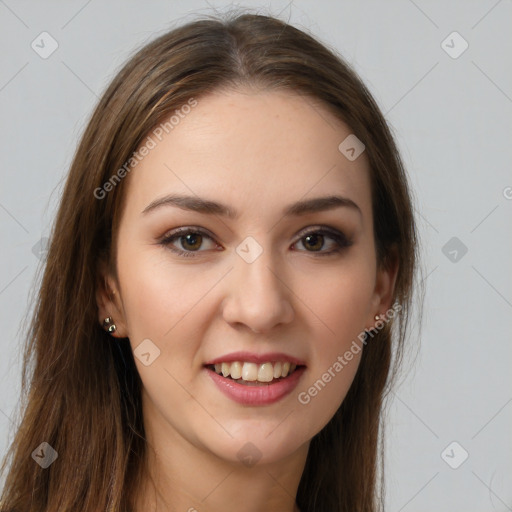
(257, 152)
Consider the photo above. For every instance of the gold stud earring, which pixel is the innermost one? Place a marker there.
(109, 325)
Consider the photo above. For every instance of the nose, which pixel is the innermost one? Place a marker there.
(258, 295)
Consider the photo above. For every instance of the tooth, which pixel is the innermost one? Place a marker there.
(250, 371)
(236, 370)
(265, 372)
(225, 369)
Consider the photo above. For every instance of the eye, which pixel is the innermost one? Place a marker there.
(191, 239)
(315, 240)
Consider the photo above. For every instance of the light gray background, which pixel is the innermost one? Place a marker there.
(453, 121)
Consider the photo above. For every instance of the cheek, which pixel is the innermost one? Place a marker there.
(344, 306)
(157, 298)
(170, 307)
(340, 299)
(161, 305)
(341, 304)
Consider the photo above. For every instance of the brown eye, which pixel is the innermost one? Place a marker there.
(191, 241)
(314, 241)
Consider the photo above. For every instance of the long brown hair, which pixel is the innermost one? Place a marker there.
(81, 389)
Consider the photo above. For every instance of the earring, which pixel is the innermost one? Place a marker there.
(109, 325)
(377, 317)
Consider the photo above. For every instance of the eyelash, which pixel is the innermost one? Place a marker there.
(340, 239)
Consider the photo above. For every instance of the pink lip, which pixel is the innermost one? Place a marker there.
(269, 357)
(264, 394)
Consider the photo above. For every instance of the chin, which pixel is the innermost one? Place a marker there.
(256, 442)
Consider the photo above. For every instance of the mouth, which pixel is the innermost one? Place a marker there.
(255, 383)
(253, 374)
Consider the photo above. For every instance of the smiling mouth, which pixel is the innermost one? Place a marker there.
(253, 374)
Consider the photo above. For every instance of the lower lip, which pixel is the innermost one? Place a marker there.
(263, 394)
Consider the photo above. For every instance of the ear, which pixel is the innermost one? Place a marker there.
(109, 301)
(384, 288)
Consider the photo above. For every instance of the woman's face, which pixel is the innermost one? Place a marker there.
(283, 279)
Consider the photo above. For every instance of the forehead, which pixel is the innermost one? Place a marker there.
(256, 151)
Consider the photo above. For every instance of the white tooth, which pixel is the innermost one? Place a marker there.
(218, 367)
(286, 368)
(277, 369)
(265, 372)
(236, 370)
(292, 367)
(225, 369)
(250, 371)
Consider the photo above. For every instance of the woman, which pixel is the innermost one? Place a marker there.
(228, 283)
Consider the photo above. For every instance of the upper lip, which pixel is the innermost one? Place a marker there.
(256, 358)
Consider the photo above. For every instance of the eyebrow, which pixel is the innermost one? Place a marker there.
(200, 205)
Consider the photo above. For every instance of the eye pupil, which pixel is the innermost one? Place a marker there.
(317, 238)
(191, 238)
